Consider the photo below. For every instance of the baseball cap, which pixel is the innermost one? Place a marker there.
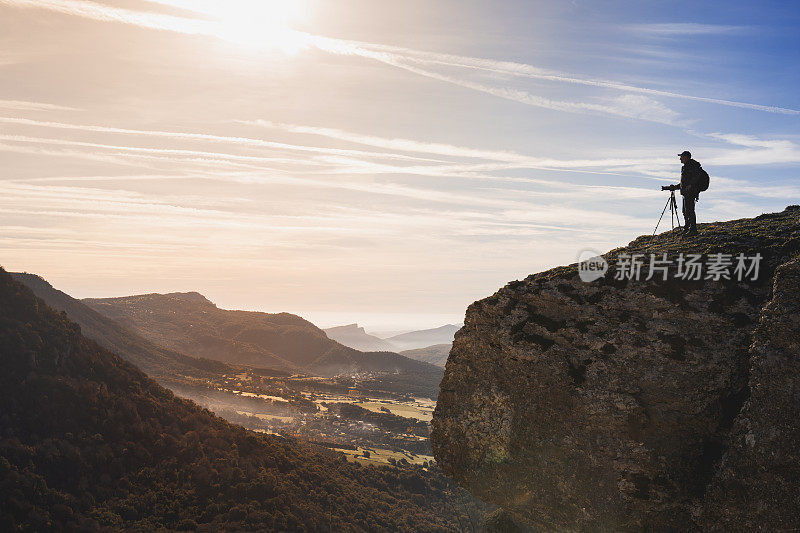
(687, 153)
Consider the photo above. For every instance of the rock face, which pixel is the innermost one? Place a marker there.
(758, 484)
(633, 405)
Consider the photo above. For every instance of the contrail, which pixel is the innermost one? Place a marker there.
(391, 55)
(103, 13)
(163, 151)
(530, 71)
(439, 149)
(24, 105)
(207, 137)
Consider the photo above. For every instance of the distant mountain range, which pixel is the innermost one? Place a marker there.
(425, 337)
(189, 323)
(428, 345)
(355, 337)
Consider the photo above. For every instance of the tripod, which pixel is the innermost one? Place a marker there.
(673, 211)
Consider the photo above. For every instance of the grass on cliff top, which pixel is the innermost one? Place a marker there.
(776, 236)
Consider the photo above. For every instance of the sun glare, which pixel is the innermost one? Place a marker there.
(261, 23)
(253, 23)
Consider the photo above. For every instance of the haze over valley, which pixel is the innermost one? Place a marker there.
(271, 373)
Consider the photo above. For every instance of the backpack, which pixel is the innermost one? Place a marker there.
(702, 179)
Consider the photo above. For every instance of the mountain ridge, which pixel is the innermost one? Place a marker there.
(148, 356)
(274, 340)
(435, 355)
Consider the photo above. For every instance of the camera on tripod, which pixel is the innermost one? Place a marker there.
(672, 205)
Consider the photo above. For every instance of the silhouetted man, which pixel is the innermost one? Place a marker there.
(690, 190)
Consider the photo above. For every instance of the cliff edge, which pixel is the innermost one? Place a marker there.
(627, 403)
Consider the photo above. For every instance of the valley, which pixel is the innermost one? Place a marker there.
(345, 413)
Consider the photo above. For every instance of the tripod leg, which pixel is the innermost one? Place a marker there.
(671, 212)
(662, 216)
(675, 207)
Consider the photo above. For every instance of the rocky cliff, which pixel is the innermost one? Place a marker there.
(635, 404)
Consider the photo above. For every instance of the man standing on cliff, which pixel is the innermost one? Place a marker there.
(690, 190)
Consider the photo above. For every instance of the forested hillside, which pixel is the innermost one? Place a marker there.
(189, 323)
(87, 440)
(158, 362)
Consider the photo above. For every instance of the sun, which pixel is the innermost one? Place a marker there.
(260, 24)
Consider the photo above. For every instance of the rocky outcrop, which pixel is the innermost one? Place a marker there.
(356, 337)
(628, 404)
(758, 483)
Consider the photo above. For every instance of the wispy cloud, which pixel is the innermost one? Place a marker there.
(23, 105)
(441, 149)
(355, 160)
(757, 151)
(392, 54)
(104, 13)
(403, 58)
(242, 141)
(406, 145)
(169, 154)
(644, 108)
(687, 28)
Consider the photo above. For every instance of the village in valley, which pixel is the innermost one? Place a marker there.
(348, 414)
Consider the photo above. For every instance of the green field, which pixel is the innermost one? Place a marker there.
(400, 409)
(381, 456)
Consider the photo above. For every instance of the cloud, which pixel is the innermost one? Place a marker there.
(504, 159)
(644, 108)
(758, 151)
(105, 158)
(243, 141)
(391, 55)
(406, 145)
(686, 28)
(528, 98)
(103, 13)
(291, 169)
(184, 155)
(355, 158)
(396, 56)
(23, 105)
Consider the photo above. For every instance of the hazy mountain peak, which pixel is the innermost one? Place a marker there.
(356, 337)
(192, 296)
(354, 327)
(425, 338)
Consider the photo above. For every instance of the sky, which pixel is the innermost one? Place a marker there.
(386, 163)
